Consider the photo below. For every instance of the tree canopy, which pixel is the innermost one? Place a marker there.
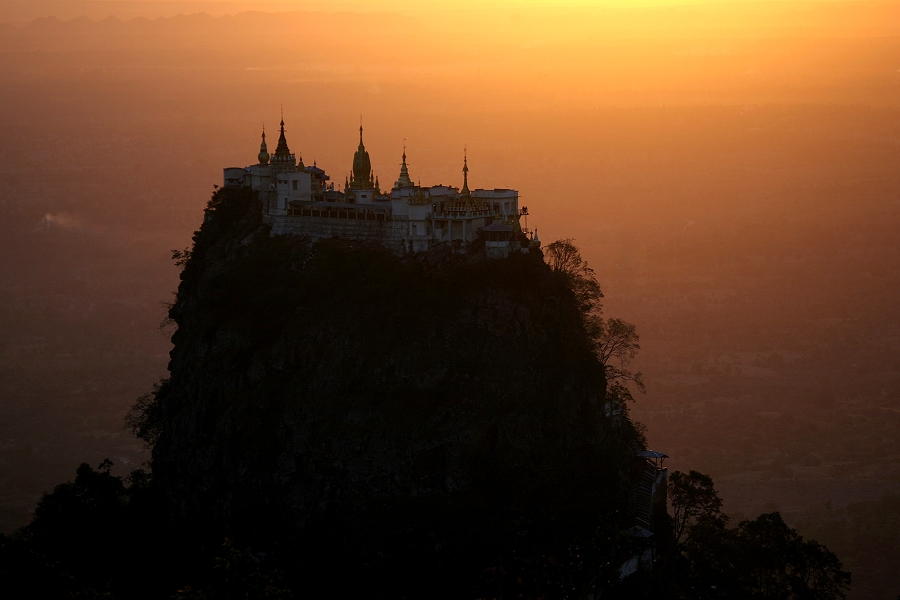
(758, 559)
(616, 341)
(694, 502)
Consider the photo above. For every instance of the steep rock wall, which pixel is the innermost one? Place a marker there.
(332, 397)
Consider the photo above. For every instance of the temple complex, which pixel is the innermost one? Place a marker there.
(408, 218)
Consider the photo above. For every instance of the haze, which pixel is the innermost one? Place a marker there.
(730, 169)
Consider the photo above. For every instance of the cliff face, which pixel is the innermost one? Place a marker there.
(343, 402)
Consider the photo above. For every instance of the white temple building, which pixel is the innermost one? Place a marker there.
(301, 200)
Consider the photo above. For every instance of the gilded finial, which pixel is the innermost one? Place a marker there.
(465, 188)
(263, 155)
(404, 180)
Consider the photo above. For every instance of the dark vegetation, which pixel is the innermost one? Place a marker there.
(102, 537)
(702, 557)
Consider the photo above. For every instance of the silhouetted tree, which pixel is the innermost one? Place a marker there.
(776, 562)
(145, 418)
(181, 257)
(694, 501)
(565, 260)
(762, 558)
(616, 342)
(96, 536)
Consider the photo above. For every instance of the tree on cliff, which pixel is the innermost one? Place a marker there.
(695, 502)
(564, 259)
(616, 342)
(144, 419)
(762, 558)
(616, 345)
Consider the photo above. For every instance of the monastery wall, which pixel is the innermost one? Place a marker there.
(391, 234)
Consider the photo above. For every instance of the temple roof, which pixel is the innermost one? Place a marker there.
(465, 187)
(404, 181)
(282, 148)
(361, 178)
(263, 155)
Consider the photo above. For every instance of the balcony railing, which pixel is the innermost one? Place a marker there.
(334, 213)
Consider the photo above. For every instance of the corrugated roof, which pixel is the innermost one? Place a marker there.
(497, 227)
(651, 454)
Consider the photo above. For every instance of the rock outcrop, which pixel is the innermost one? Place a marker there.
(367, 415)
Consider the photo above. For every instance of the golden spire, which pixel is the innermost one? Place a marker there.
(362, 177)
(404, 180)
(465, 188)
(282, 149)
(263, 155)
